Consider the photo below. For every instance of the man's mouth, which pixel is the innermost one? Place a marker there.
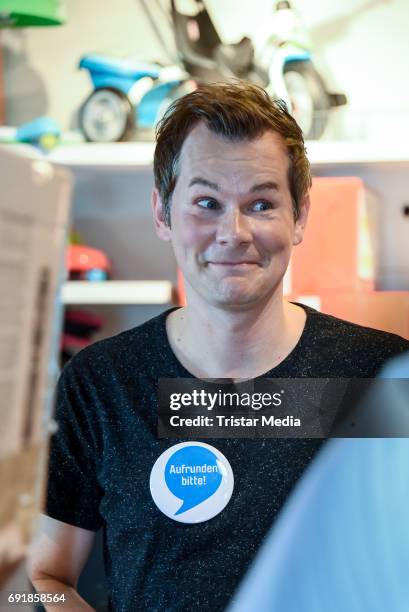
(238, 266)
(233, 263)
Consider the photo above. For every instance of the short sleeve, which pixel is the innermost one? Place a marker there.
(73, 493)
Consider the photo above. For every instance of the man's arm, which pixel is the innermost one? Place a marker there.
(57, 556)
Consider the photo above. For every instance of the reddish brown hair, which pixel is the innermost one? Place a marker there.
(237, 111)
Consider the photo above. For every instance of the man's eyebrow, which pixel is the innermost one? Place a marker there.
(197, 180)
(264, 186)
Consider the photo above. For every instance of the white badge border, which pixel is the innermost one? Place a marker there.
(169, 503)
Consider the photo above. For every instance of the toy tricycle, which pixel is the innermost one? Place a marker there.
(128, 97)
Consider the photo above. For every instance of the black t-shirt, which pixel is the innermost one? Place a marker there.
(102, 455)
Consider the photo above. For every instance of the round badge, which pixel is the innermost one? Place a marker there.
(191, 482)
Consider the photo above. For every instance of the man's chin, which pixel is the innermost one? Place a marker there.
(236, 300)
(234, 294)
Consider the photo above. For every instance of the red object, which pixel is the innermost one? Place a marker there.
(83, 317)
(79, 327)
(69, 342)
(338, 251)
(80, 257)
(87, 264)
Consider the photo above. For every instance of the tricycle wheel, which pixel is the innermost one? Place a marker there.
(309, 98)
(107, 115)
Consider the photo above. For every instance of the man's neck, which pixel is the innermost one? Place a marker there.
(212, 342)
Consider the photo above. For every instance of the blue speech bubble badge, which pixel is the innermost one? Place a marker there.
(193, 474)
(191, 482)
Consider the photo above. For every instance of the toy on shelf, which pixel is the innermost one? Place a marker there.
(25, 13)
(128, 97)
(86, 263)
(43, 133)
(283, 65)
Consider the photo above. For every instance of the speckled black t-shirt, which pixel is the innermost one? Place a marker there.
(106, 445)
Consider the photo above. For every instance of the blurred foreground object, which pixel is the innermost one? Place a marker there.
(397, 368)
(341, 543)
(33, 221)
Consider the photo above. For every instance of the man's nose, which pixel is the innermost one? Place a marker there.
(233, 228)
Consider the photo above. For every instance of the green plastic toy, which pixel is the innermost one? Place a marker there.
(27, 13)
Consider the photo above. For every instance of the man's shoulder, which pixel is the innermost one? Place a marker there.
(339, 347)
(330, 325)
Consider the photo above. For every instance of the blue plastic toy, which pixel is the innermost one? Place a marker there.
(127, 96)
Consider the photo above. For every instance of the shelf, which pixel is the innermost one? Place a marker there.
(321, 153)
(140, 154)
(133, 155)
(118, 155)
(117, 292)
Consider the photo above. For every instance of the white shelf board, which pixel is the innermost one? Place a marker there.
(133, 155)
(321, 153)
(129, 155)
(117, 292)
(118, 155)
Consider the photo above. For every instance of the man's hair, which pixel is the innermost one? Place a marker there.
(236, 111)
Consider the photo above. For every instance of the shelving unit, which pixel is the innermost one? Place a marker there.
(111, 210)
(383, 166)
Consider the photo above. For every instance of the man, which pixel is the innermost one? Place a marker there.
(231, 194)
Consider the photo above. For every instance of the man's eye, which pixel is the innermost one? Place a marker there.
(261, 205)
(207, 204)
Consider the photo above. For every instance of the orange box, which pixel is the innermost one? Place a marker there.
(384, 310)
(181, 294)
(338, 253)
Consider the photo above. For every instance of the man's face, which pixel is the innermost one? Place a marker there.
(232, 221)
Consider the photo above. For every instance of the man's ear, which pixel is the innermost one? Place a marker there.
(162, 229)
(301, 222)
